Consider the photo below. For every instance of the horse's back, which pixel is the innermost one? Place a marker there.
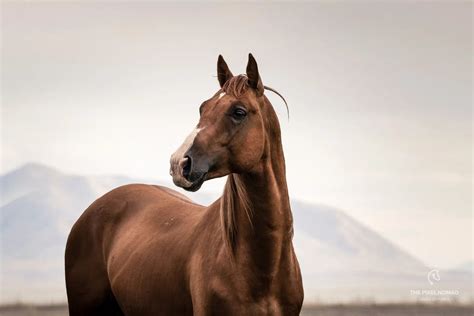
(115, 233)
(130, 203)
(128, 208)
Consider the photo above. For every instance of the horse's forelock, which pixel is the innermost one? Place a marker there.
(238, 85)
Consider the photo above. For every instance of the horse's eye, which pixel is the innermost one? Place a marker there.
(239, 114)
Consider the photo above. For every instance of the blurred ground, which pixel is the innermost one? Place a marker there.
(316, 310)
(388, 310)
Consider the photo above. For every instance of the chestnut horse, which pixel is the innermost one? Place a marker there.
(148, 250)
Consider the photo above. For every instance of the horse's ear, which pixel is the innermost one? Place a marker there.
(223, 71)
(253, 76)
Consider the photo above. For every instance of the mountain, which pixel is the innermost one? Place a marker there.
(340, 258)
(466, 266)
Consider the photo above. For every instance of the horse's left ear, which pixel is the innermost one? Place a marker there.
(253, 76)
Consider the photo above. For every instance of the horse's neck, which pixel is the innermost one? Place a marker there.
(263, 239)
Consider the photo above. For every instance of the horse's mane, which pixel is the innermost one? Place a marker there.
(234, 196)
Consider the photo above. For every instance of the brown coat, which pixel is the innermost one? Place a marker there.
(148, 250)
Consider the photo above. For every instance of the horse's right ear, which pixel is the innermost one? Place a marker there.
(223, 71)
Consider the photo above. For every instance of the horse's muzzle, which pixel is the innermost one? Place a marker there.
(186, 173)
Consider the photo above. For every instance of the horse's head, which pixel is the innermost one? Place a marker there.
(230, 136)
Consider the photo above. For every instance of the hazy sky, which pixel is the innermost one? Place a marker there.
(379, 94)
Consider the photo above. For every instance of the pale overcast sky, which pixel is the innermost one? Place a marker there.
(379, 94)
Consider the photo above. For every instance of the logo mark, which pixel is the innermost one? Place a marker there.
(433, 276)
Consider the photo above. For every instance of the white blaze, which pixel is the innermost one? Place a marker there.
(178, 155)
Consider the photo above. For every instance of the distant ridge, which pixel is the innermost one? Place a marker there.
(341, 259)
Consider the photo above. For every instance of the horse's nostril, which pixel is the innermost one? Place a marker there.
(186, 165)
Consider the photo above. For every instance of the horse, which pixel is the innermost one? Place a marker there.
(148, 250)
